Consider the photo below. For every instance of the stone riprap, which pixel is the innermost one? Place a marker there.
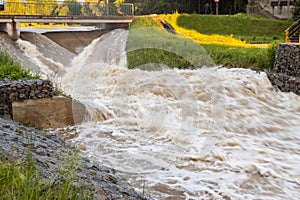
(286, 72)
(11, 91)
(50, 152)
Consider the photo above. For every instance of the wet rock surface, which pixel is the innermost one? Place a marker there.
(286, 72)
(48, 152)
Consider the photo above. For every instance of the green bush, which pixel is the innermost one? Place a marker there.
(11, 69)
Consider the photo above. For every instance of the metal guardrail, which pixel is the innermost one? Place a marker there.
(60, 8)
(292, 34)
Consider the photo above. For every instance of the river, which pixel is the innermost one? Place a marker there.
(211, 133)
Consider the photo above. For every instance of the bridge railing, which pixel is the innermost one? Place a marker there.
(61, 8)
(292, 34)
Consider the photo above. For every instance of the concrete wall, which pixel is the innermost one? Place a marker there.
(286, 72)
(264, 8)
(55, 112)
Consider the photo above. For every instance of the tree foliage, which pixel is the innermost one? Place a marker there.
(100, 7)
(296, 10)
(188, 6)
(63, 8)
(67, 7)
(93, 7)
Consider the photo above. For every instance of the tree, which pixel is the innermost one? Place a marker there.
(232, 6)
(118, 6)
(296, 10)
(64, 11)
(157, 6)
(187, 6)
(94, 7)
(68, 7)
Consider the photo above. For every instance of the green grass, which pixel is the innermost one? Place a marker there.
(153, 48)
(21, 181)
(238, 57)
(178, 52)
(245, 27)
(143, 22)
(11, 69)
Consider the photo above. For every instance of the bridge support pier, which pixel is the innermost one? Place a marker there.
(11, 28)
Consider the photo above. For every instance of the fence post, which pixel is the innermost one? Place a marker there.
(132, 9)
(107, 8)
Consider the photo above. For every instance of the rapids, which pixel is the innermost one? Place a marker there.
(211, 133)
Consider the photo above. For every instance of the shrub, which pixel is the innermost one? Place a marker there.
(11, 69)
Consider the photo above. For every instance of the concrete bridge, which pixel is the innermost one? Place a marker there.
(102, 13)
(11, 23)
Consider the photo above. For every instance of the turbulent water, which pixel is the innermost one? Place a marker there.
(212, 133)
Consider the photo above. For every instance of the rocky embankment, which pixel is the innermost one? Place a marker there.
(286, 72)
(48, 152)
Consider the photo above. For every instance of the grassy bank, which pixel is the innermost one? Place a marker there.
(151, 47)
(244, 27)
(239, 57)
(21, 180)
(221, 45)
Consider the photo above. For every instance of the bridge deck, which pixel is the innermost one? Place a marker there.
(11, 23)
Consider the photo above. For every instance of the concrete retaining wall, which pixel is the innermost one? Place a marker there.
(286, 72)
(11, 91)
(56, 112)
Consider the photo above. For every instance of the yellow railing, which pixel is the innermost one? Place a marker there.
(66, 8)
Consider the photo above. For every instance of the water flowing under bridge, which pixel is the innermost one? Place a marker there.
(52, 11)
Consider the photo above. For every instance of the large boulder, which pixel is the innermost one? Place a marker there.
(56, 112)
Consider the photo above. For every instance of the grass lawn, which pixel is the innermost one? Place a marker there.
(245, 27)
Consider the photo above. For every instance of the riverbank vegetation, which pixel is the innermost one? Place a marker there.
(11, 69)
(225, 48)
(21, 180)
